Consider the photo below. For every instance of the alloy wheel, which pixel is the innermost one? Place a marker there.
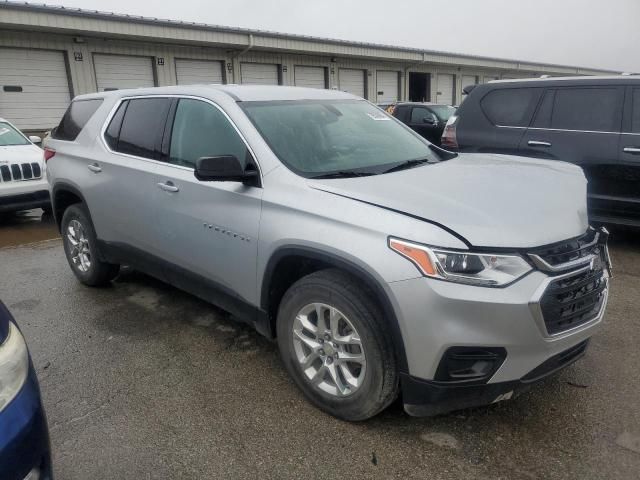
(329, 349)
(79, 250)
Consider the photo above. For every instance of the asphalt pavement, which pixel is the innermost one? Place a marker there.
(142, 381)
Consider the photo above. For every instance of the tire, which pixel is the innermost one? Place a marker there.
(95, 272)
(337, 290)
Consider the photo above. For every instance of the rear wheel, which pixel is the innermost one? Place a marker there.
(331, 338)
(80, 247)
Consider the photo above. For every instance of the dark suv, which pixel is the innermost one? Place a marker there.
(590, 121)
(427, 119)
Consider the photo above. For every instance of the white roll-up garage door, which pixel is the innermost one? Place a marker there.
(352, 80)
(312, 77)
(490, 78)
(387, 86)
(34, 87)
(259, 74)
(194, 72)
(115, 72)
(445, 88)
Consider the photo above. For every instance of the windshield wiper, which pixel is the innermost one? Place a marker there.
(343, 174)
(408, 164)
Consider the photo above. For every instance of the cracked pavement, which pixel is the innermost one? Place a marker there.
(140, 380)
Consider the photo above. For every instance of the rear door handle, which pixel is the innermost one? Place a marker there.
(168, 186)
(634, 150)
(538, 143)
(94, 167)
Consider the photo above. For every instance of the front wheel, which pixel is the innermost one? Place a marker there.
(332, 341)
(80, 248)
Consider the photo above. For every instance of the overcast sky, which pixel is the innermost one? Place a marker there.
(589, 33)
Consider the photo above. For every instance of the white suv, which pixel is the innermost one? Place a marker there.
(23, 183)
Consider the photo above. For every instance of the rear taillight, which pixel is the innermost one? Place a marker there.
(449, 139)
(48, 154)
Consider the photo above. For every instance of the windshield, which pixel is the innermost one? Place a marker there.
(443, 112)
(319, 137)
(11, 136)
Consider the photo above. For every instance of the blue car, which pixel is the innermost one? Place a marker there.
(24, 437)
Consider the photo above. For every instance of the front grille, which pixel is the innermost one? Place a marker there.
(573, 300)
(568, 251)
(20, 171)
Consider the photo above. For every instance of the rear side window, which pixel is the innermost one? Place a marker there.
(594, 109)
(201, 130)
(75, 118)
(509, 107)
(142, 127)
(635, 119)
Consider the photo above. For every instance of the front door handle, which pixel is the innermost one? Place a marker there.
(538, 143)
(168, 186)
(633, 150)
(94, 167)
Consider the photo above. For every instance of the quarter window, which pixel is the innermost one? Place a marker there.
(75, 118)
(509, 106)
(593, 109)
(113, 131)
(143, 126)
(202, 130)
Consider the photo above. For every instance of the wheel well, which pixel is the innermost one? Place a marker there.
(286, 272)
(63, 199)
(291, 264)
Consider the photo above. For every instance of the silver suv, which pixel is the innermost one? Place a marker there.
(381, 263)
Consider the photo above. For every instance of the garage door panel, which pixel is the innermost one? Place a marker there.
(445, 88)
(352, 81)
(45, 95)
(387, 86)
(193, 72)
(311, 77)
(122, 71)
(259, 74)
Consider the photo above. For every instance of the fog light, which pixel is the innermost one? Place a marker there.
(470, 364)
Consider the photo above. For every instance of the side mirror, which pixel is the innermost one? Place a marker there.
(430, 119)
(35, 139)
(223, 168)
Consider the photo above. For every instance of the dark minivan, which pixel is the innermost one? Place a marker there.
(590, 121)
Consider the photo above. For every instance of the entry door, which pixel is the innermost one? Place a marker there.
(208, 229)
(628, 178)
(120, 184)
(582, 126)
(424, 121)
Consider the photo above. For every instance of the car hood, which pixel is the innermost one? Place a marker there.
(489, 200)
(20, 154)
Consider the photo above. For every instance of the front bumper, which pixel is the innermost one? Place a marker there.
(25, 201)
(436, 315)
(24, 437)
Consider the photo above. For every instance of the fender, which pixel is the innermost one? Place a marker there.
(69, 188)
(357, 271)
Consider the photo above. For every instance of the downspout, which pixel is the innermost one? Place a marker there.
(239, 54)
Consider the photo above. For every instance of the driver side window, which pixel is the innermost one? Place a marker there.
(201, 130)
(418, 114)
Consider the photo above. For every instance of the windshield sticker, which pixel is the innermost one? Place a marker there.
(378, 117)
(4, 130)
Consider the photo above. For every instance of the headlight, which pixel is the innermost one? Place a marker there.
(485, 269)
(14, 365)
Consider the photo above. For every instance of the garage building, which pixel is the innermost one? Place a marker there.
(50, 54)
